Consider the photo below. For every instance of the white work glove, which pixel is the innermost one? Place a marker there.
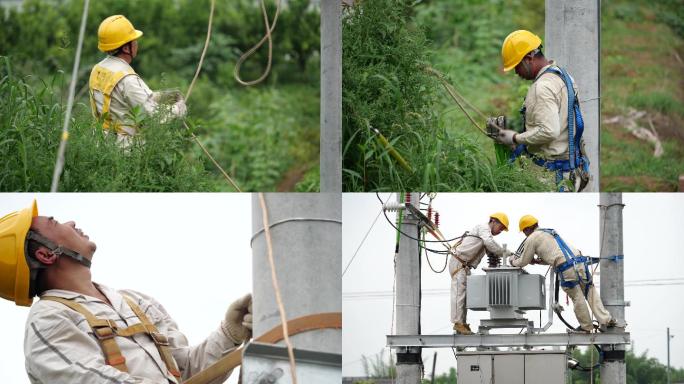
(237, 324)
(505, 137)
(179, 108)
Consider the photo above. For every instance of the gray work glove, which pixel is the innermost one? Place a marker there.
(237, 324)
(494, 125)
(505, 137)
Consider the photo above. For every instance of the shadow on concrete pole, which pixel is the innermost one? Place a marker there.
(572, 39)
(331, 96)
(409, 361)
(613, 369)
(306, 233)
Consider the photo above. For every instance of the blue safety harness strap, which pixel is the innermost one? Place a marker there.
(575, 131)
(571, 261)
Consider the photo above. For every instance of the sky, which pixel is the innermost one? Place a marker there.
(191, 252)
(652, 250)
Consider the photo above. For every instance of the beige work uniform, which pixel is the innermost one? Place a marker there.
(546, 116)
(130, 91)
(59, 345)
(545, 246)
(474, 246)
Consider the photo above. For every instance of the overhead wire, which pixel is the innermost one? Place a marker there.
(363, 240)
(64, 138)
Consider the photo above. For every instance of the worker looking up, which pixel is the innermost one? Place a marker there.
(85, 332)
(552, 120)
(571, 267)
(115, 88)
(466, 255)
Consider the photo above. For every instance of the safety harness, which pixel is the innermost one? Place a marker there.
(575, 157)
(571, 261)
(106, 330)
(104, 81)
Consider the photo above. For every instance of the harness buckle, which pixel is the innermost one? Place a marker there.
(104, 332)
(159, 339)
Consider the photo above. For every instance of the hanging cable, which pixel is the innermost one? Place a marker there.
(274, 280)
(251, 51)
(59, 163)
(446, 260)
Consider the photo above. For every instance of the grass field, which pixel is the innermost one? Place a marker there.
(641, 68)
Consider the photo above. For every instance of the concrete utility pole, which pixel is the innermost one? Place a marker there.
(331, 96)
(613, 370)
(572, 38)
(668, 354)
(306, 233)
(409, 361)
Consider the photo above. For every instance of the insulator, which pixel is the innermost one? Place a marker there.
(393, 207)
(436, 219)
(408, 197)
(429, 212)
(493, 260)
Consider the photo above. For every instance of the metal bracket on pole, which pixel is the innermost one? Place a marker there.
(507, 340)
(269, 364)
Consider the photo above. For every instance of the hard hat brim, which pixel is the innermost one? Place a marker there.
(23, 273)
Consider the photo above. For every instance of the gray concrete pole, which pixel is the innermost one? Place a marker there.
(668, 355)
(331, 96)
(306, 233)
(409, 362)
(572, 38)
(613, 369)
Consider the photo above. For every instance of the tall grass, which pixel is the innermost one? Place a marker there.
(384, 88)
(31, 118)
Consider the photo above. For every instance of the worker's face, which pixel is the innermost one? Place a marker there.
(65, 235)
(134, 48)
(495, 226)
(524, 69)
(528, 231)
(131, 49)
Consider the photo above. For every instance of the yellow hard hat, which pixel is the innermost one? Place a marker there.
(527, 221)
(516, 45)
(15, 275)
(503, 219)
(114, 32)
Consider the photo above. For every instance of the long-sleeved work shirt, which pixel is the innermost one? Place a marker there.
(544, 245)
(59, 345)
(476, 243)
(546, 116)
(130, 91)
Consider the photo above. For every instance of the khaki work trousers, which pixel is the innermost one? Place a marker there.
(458, 290)
(579, 302)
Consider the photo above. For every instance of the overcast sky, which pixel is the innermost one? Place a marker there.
(189, 251)
(652, 247)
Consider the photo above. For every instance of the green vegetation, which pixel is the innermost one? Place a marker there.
(638, 74)
(387, 44)
(266, 137)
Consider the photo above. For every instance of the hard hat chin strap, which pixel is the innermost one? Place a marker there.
(56, 249)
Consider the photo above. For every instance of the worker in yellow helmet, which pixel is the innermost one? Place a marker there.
(84, 332)
(466, 255)
(115, 88)
(552, 119)
(572, 269)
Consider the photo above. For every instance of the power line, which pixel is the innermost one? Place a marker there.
(445, 291)
(364, 237)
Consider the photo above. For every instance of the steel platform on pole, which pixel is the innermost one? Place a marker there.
(506, 340)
